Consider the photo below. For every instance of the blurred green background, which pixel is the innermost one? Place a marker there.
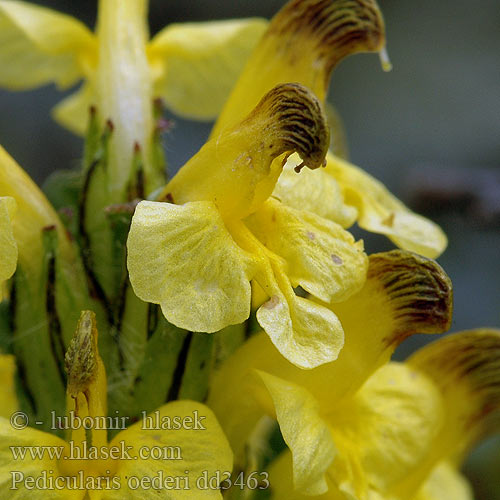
(430, 130)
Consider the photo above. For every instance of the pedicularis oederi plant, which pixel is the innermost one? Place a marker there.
(221, 333)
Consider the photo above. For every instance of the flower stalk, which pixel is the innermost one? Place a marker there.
(124, 90)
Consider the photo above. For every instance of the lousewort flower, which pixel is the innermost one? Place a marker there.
(197, 258)
(303, 43)
(403, 294)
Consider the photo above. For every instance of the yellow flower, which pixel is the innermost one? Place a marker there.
(111, 470)
(303, 43)
(197, 258)
(24, 213)
(403, 294)
(405, 432)
(192, 67)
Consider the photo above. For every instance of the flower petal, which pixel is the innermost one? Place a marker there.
(237, 395)
(39, 45)
(307, 334)
(316, 192)
(404, 294)
(322, 257)
(8, 245)
(388, 428)
(12, 472)
(445, 483)
(203, 450)
(304, 431)
(281, 486)
(183, 258)
(195, 65)
(381, 212)
(73, 111)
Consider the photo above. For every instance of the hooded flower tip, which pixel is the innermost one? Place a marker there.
(236, 170)
(298, 123)
(419, 290)
(337, 27)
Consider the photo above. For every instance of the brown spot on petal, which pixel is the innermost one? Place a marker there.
(311, 235)
(337, 260)
(167, 197)
(272, 302)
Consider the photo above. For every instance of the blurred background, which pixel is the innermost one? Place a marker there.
(429, 130)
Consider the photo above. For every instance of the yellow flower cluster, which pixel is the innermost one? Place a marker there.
(242, 234)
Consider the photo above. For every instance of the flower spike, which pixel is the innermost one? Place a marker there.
(86, 385)
(83, 363)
